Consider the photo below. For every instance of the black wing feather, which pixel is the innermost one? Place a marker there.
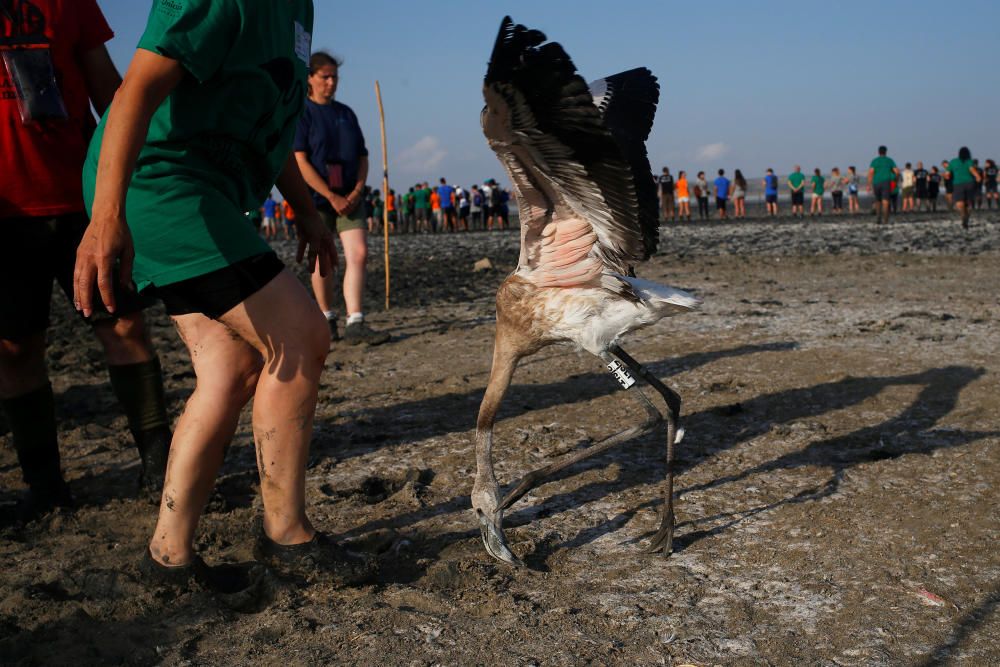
(627, 101)
(527, 71)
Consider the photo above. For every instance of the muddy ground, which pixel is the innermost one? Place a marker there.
(838, 489)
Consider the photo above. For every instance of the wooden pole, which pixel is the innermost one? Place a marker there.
(385, 190)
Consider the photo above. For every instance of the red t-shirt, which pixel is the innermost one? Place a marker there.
(41, 163)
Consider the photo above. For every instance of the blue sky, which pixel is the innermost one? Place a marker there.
(743, 85)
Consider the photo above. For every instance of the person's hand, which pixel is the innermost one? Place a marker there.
(353, 201)
(340, 204)
(315, 238)
(106, 239)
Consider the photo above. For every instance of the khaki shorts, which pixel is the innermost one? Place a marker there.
(343, 223)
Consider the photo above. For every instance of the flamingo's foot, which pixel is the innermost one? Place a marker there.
(663, 541)
(496, 545)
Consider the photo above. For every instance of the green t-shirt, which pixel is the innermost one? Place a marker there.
(422, 198)
(960, 171)
(883, 167)
(795, 179)
(818, 183)
(218, 142)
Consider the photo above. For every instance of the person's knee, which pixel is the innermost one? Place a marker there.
(233, 381)
(245, 374)
(22, 365)
(357, 254)
(125, 339)
(302, 348)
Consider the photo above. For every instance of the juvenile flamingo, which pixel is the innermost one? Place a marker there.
(577, 162)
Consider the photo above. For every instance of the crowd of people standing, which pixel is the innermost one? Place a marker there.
(966, 186)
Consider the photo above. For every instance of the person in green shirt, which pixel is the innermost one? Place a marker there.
(408, 212)
(882, 173)
(965, 179)
(197, 134)
(422, 207)
(796, 184)
(818, 182)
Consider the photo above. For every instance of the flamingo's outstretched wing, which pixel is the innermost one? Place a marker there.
(584, 208)
(627, 101)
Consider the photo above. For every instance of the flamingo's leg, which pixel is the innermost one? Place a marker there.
(485, 490)
(536, 477)
(663, 540)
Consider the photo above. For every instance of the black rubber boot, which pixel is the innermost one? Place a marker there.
(33, 425)
(154, 449)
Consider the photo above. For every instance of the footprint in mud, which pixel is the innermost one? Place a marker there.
(375, 489)
(245, 587)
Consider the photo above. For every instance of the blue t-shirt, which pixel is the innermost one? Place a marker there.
(331, 136)
(770, 184)
(269, 207)
(722, 187)
(445, 192)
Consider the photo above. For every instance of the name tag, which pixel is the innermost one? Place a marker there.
(303, 43)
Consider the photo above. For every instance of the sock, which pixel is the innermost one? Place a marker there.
(354, 318)
(330, 314)
(32, 420)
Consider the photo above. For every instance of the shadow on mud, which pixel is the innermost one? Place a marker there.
(456, 412)
(968, 624)
(914, 430)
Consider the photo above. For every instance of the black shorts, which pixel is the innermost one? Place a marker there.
(991, 186)
(215, 294)
(771, 199)
(720, 203)
(487, 210)
(798, 197)
(33, 252)
(965, 193)
(882, 191)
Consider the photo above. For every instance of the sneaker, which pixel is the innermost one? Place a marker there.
(192, 576)
(334, 332)
(319, 558)
(359, 332)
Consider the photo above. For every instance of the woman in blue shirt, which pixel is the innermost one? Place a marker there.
(330, 150)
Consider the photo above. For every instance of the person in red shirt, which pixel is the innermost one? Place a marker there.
(42, 220)
(289, 215)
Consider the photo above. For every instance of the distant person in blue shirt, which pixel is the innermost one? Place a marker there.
(771, 193)
(270, 217)
(721, 193)
(447, 195)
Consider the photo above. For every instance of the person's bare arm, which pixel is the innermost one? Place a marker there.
(313, 234)
(354, 198)
(149, 80)
(101, 76)
(871, 176)
(313, 179)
